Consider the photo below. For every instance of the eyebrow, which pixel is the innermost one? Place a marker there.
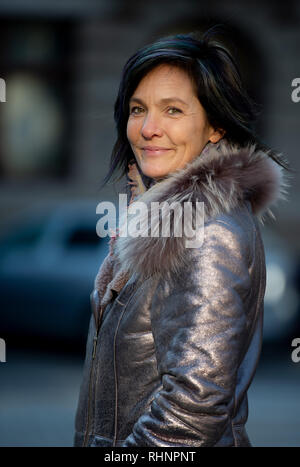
(166, 100)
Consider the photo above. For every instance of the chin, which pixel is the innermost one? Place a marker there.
(153, 172)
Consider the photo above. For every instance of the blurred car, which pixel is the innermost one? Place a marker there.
(48, 263)
(282, 297)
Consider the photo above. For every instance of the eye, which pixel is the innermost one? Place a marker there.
(173, 110)
(136, 110)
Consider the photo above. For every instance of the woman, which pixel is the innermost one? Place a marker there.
(176, 329)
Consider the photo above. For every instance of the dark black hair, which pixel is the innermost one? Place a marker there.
(218, 85)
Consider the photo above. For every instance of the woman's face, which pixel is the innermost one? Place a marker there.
(167, 126)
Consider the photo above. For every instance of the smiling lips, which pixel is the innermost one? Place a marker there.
(154, 150)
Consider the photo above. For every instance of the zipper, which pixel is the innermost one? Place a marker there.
(115, 370)
(132, 294)
(94, 345)
(98, 313)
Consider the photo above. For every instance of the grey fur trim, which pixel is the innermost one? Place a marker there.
(222, 177)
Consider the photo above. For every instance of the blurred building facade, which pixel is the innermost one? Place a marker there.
(62, 61)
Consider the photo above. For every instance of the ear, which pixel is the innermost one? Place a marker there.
(217, 135)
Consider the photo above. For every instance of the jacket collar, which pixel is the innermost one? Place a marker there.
(223, 177)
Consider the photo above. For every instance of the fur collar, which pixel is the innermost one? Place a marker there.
(224, 176)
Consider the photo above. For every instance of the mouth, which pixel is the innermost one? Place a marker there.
(155, 150)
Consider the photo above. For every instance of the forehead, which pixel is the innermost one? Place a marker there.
(166, 78)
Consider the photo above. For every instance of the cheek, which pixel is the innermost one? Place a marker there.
(132, 130)
(198, 135)
(185, 133)
(177, 132)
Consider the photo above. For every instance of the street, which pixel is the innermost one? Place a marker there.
(39, 393)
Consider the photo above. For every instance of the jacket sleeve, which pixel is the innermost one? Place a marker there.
(200, 329)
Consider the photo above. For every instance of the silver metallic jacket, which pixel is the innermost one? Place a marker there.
(178, 347)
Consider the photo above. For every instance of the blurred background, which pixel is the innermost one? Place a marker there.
(61, 62)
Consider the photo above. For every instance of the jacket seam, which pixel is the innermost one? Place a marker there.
(116, 382)
(108, 309)
(115, 365)
(96, 366)
(252, 326)
(92, 373)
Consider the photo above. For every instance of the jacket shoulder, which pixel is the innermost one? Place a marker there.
(230, 234)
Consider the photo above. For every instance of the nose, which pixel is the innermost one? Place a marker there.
(151, 127)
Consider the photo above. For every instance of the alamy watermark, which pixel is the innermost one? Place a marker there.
(296, 352)
(2, 351)
(296, 92)
(2, 90)
(156, 219)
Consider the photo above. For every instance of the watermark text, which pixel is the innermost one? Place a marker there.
(2, 351)
(2, 90)
(296, 352)
(296, 92)
(156, 219)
